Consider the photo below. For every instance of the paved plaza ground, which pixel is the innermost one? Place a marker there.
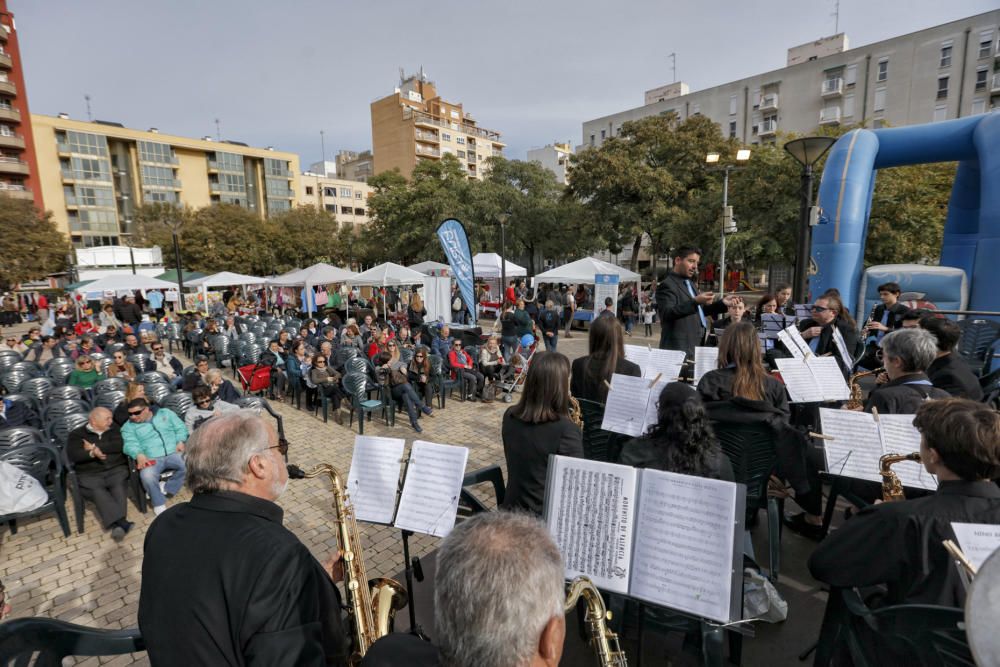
(92, 580)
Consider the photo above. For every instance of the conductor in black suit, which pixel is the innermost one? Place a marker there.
(683, 311)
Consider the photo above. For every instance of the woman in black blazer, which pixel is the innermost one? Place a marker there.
(607, 356)
(535, 428)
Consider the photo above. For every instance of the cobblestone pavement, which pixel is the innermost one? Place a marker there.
(91, 580)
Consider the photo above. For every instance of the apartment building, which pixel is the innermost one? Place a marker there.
(948, 71)
(355, 166)
(345, 198)
(554, 157)
(18, 164)
(415, 123)
(94, 174)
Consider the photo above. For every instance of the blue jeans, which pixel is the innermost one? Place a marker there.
(510, 344)
(150, 477)
(550, 342)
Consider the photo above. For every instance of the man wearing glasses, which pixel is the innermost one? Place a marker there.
(223, 582)
(156, 442)
(13, 343)
(167, 364)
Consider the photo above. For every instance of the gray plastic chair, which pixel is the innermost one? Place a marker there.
(109, 399)
(20, 436)
(178, 402)
(59, 427)
(44, 463)
(65, 392)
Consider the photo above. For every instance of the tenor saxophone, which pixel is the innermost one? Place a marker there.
(855, 402)
(575, 414)
(372, 605)
(602, 640)
(892, 488)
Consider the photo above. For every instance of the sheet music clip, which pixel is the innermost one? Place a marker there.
(821, 436)
(607, 384)
(875, 413)
(655, 380)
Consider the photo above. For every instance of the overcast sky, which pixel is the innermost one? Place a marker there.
(278, 72)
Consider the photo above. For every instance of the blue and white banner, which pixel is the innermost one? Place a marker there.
(455, 243)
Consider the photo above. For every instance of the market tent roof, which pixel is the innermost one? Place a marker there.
(583, 271)
(123, 281)
(424, 267)
(82, 283)
(487, 265)
(226, 278)
(388, 274)
(171, 275)
(317, 274)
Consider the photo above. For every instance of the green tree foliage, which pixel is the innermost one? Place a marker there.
(30, 246)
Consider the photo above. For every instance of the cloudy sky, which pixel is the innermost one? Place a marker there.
(276, 73)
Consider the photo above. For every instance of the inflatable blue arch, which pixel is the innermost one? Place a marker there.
(972, 226)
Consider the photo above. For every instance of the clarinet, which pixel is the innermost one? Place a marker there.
(871, 318)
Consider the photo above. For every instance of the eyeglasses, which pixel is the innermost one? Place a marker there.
(320, 362)
(391, 345)
(86, 361)
(157, 349)
(136, 414)
(282, 447)
(819, 309)
(203, 401)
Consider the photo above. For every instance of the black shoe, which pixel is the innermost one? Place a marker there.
(416, 427)
(117, 533)
(797, 523)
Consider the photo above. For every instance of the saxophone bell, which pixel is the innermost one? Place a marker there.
(892, 488)
(602, 639)
(575, 413)
(855, 402)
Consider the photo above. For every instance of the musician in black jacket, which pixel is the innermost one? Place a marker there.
(683, 311)
(885, 317)
(828, 313)
(949, 371)
(906, 354)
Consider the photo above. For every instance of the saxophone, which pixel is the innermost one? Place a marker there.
(575, 414)
(372, 605)
(603, 641)
(855, 402)
(892, 488)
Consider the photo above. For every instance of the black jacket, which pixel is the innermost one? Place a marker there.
(826, 344)
(897, 397)
(583, 385)
(224, 583)
(527, 448)
(643, 452)
(899, 544)
(717, 385)
(130, 313)
(680, 325)
(896, 313)
(110, 443)
(952, 374)
(17, 414)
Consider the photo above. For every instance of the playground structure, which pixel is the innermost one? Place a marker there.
(972, 227)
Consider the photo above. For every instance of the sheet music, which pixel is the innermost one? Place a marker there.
(771, 324)
(374, 477)
(794, 342)
(655, 362)
(899, 436)
(705, 359)
(652, 404)
(626, 405)
(855, 448)
(978, 541)
(638, 355)
(800, 381)
(590, 510)
(829, 378)
(429, 501)
(684, 547)
(841, 345)
(803, 311)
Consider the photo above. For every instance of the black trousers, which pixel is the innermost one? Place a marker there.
(107, 490)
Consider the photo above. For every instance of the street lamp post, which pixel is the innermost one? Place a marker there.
(742, 155)
(502, 219)
(174, 221)
(807, 151)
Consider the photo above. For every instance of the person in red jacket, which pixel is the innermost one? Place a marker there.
(463, 368)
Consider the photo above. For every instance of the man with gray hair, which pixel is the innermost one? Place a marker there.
(906, 355)
(223, 582)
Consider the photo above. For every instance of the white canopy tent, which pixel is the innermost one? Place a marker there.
(583, 271)
(223, 279)
(388, 275)
(125, 281)
(428, 266)
(487, 265)
(317, 274)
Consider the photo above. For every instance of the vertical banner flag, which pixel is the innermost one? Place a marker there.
(455, 243)
(605, 285)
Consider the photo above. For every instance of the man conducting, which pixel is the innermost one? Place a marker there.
(683, 312)
(223, 582)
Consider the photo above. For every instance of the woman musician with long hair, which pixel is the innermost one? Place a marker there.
(741, 371)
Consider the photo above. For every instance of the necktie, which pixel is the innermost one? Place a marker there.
(814, 343)
(701, 313)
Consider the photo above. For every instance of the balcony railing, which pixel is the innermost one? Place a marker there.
(833, 87)
(431, 137)
(995, 87)
(769, 102)
(428, 119)
(424, 150)
(11, 140)
(16, 191)
(768, 127)
(829, 116)
(8, 87)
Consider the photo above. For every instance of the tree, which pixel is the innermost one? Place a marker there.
(301, 237)
(30, 246)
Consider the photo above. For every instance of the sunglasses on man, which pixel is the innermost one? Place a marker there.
(136, 413)
(818, 309)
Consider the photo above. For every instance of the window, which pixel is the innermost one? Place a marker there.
(329, 192)
(151, 151)
(92, 169)
(940, 113)
(978, 106)
(732, 105)
(454, 114)
(157, 177)
(604, 134)
(159, 196)
(230, 183)
(879, 104)
(945, 55)
(732, 129)
(986, 44)
(445, 136)
(332, 208)
(273, 167)
(591, 140)
(848, 106)
(227, 162)
(695, 109)
(851, 75)
(981, 75)
(882, 73)
(460, 140)
(309, 189)
(346, 210)
(942, 89)
(277, 187)
(461, 154)
(88, 144)
(97, 197)
(278, 205)
(358, 194)
(346, 192)
(359, 211)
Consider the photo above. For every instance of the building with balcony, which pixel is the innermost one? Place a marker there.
(415, 124)
(93, 175)
(355, 166)
(948, 71)
(18, 164)
(346, 199)
(554, 157)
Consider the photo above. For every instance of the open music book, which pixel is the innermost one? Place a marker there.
(667, 539)
(795, 343)
(652, 361)
(630, 407)
(813, 379)
(432, 484)
(855, 441)
(978, 540)
(705, 359)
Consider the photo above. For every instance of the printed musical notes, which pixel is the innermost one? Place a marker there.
(705, 359)
(429, 501)
(900, 436)
(627, 408)
(978, 540)
(813, 379)
(841, 345)
(374, 477)
(652, 361)
(795, 343)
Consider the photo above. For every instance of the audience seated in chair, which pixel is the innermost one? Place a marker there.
(221, 388)
(96, 451)
(205, 407)
(156, 442)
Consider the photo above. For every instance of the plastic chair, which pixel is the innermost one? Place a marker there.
(178, 402)
(66, 406)
(65, 392)
(441, 376)
(20, 436)
(157, 391)
(59, 372)
(109, 384)
(469, 504)
(223, 350)
(12, 381)
(355, 385)
(38, 389)
(44, 463)
(109, 399)
(8, 358)
(260, 403)
(27, 401)
(977, 337)
(751, 451)
(140, 361)
(48, 641)
(152, 376)
(29, 367)
(59, 427)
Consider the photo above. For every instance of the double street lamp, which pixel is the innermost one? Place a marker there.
(728, 225)
(807, 151)
(502, 219)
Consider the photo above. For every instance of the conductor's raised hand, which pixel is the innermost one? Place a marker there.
(705, 298)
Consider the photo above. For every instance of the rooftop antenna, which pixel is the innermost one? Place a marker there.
(218, 130)
(90, 116)
(673, 65)
(322, 143)
(402, 76)
(836, 17)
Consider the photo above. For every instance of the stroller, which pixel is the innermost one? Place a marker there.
(517, 370)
